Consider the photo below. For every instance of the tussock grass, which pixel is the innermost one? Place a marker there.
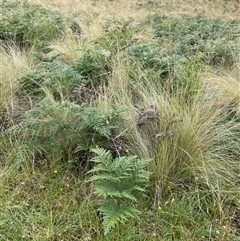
(187, 134)
(66, 47)
(226, 86)
(14, 62)
(189, 143)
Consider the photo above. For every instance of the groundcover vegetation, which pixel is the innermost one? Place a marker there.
(132, 134)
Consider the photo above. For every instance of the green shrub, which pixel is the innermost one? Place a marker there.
(200, 27)
(118, 35)
(145, 54)
(25, 24)
(222, 53)
(149, 58)
(57, 76)
(186, 36)
(92, 64)
(63, 79)
(55, 130)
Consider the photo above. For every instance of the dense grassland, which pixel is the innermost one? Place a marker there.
(120, 120)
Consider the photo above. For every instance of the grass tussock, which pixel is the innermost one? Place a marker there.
(226, 87)
(14, 62)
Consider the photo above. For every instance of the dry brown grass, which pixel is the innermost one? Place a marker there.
(226, 86)
(14, 62)
(140, 9)
(104, 8)
(211, 8)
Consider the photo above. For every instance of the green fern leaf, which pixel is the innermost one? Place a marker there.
(109, 176)
(117, 181)
(113, 214)
(106, 189)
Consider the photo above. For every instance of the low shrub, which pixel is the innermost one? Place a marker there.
(63, 80)
(118, 35)
(25, 24)
(185, 36)
(54, 130)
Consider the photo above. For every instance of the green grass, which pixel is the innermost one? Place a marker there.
(164, 88)
(43, 206)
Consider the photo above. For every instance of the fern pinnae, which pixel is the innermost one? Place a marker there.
(117, 181)
(109, 176)
(107, 190)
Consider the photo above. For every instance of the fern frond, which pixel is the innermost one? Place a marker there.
(117, 181)
(103, 156)
(106, 189)
(113, 213)
(104, 176)
(124, 165)
(128, 195)
(63, 127)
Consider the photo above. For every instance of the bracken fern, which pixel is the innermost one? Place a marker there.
(117, 182)
(61, 128)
